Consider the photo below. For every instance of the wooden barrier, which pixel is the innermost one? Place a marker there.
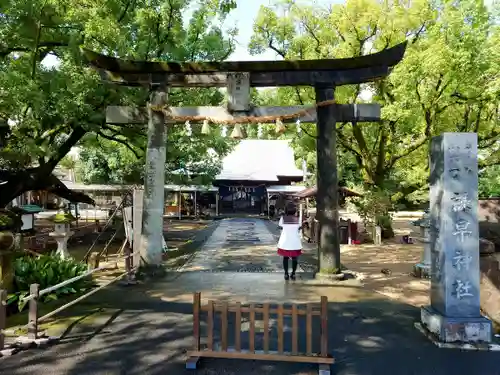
(223, 350)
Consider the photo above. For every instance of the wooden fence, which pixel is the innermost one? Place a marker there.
(223, 350)
(35, 293)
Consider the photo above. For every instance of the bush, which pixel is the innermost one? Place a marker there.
(47, 270)
(374, 209)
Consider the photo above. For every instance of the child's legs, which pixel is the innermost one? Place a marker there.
(285, 264)
(295, 263)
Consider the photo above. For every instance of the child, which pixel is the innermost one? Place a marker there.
(289, 244)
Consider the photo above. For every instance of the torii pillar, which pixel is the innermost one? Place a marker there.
(324, 75)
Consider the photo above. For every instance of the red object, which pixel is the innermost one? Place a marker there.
(356, 242)
(289, 253)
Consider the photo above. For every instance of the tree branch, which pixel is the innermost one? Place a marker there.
(75, 136)
(121, 141)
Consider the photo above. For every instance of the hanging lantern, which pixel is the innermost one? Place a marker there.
(224, 131)
(189, 131)
(237, 133)
(205, 128)
(299, 128)
(280, 128)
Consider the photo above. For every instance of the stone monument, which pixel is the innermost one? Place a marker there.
(454, 314)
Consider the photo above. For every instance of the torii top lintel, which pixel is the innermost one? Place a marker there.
(262, 73)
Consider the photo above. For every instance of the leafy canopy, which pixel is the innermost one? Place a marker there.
(45, 111)
(447, 81)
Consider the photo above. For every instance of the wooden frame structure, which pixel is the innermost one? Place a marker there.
(324, 75)
(223, 350)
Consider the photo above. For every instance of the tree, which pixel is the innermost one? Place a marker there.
(194, 159)
(45, 111)
(447, 81)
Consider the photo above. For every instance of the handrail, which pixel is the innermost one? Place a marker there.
(70, 281)
(71, 303)
(34, 320)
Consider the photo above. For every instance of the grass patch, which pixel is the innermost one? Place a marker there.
(81, 310)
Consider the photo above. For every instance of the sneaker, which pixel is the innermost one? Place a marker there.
(292, 276)
(286, 276)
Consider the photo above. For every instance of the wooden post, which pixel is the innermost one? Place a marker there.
(137, 202)
(210, 325)
(349, 232)
(154, 182)
(265, 317)
(324, 326)
(280, 329)
(295, 329)
(33, 312)
(3, 316)
(94, 260)
(217, 204)
(223, 320)
(196, 320)
(237, 328)
(179, 204)
(327, 184)
(195, 207)
(309, 312)
(268, 214)
(128, 263)
(251, 332)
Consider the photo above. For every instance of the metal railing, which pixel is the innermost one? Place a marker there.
(33, 299)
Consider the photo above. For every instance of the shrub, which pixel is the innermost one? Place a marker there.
(47, 270)
(374, 209)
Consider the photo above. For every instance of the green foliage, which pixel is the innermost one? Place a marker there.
(47, 270)
(489, 182)
(373, 207)
(47, 110)
(447, 81)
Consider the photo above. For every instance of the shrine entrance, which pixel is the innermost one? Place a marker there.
(239, 77)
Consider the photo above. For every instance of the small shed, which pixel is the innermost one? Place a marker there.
(27, 213)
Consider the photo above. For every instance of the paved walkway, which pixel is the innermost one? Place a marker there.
(146, 330)
(238, 245)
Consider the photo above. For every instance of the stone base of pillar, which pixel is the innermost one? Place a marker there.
(469, 330)
(422, 271)
(330, 276)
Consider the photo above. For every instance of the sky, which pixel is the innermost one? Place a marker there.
(243, 18)
(249, 9)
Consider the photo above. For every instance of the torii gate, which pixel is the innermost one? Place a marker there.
(239, 77)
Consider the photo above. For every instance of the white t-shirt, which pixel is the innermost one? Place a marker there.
(290, 236)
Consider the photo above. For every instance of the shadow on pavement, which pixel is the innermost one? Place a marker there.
(141, 334)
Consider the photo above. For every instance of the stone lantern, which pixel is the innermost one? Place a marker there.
(62, 232)
(423, 269)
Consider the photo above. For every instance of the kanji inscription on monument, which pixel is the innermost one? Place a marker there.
(454, 314)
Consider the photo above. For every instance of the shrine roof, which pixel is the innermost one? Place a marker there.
(260, 160)
(387, 57)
